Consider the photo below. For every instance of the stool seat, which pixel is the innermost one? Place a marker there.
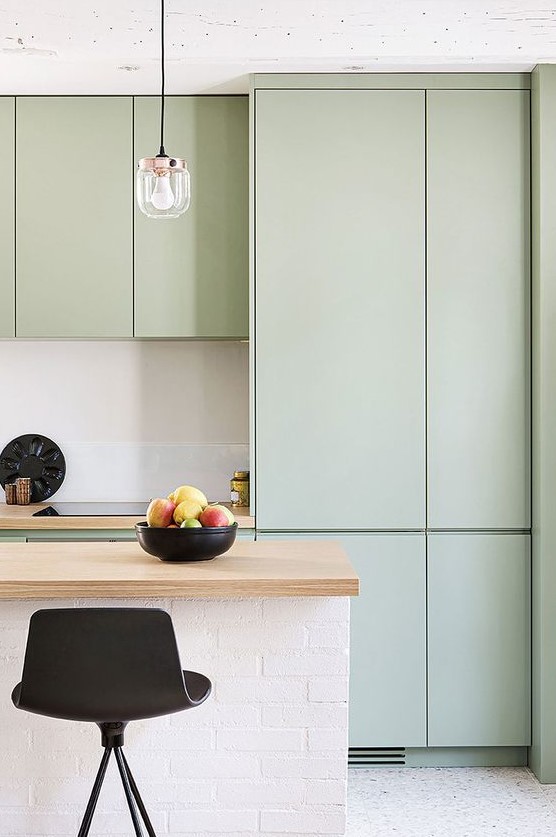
(197, 688)
(108, 666)
(105, 664)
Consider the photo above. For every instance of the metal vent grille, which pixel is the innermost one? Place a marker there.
(375, 756)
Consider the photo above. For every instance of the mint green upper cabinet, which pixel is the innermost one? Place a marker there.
(7, 320)
(74, 176)
(478, 309)
(192, 272)
(479, 640)
(339, 299)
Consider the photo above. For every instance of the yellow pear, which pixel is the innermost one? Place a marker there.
(187, 510)
(188, 492)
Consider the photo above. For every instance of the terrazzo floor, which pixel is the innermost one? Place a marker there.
(449, 802)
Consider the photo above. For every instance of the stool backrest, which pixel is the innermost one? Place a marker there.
(101, 663)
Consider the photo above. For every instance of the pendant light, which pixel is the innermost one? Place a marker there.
(163, 189)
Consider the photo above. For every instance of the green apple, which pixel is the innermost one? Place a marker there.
(190, 523)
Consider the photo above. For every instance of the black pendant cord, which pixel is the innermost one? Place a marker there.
(162, 152)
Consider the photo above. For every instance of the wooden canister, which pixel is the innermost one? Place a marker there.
(23, 490)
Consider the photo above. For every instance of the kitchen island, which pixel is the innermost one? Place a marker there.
(268, 623)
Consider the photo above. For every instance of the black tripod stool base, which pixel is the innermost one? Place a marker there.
(112, 741)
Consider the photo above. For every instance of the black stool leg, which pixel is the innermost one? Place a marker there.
(137, 795)
(93, 799)
(128, 792)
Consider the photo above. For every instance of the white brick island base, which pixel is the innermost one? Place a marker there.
(266, 754)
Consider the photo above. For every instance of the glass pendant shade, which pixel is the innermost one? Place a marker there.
(163, 187)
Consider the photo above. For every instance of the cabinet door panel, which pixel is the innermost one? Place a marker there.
(479, 640)
(7, 296)
(339, 309)
(245, 535)
(388, 700)
(74, 181)
(192, 273)
(388, 642)
(478, 309)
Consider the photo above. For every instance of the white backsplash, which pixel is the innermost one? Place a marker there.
(133, 418)
(134, 472)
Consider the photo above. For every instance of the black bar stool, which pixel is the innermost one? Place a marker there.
(108, 666)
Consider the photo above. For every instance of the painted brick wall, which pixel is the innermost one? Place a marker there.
(266, 754)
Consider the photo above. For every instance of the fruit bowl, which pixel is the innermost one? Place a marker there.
(181, 545)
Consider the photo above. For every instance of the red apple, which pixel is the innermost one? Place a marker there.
(160, 513)
(215, 516)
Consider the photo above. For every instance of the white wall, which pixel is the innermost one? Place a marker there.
(133, 418)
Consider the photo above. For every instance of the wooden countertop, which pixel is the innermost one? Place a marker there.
(123, 570)
(21, 517)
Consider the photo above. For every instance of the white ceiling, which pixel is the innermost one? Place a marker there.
(112, 46)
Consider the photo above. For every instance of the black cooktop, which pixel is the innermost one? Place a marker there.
(93, 510)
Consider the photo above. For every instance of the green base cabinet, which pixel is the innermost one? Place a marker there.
(388, 696)
(92, 535)
(68, 535)
(7, 264)
(479, 640)
(245, 535)
(388, 688)
(192, 272)
(79, 535)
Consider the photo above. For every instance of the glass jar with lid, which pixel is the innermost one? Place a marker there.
(239, 488)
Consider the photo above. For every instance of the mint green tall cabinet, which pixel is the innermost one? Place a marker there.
(7, 274)
(478, 290)
(339, 309)
(370, 196)
(192, 272)
(74, 181)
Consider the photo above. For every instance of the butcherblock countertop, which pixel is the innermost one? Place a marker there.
(21, 517)
(123, 570)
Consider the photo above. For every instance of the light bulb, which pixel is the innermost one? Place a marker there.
(162, 196)
(163, 189)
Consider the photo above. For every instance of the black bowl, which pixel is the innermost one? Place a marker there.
(195, 544)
